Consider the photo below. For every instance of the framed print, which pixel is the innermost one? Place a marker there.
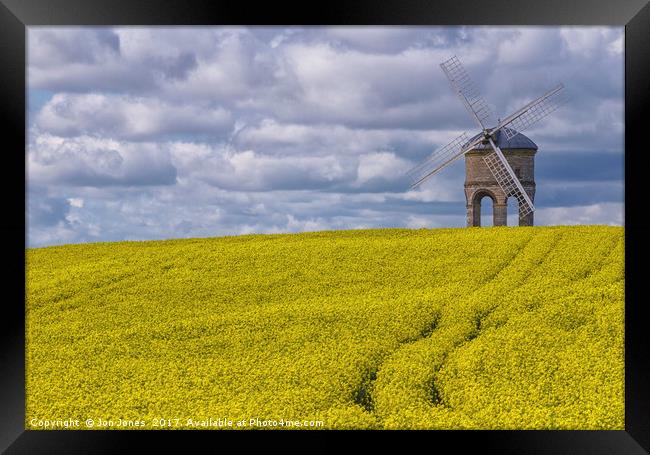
(412, 219)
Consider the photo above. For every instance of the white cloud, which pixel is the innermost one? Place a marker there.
(76, 202)
(591, 41)
(529, 47)
(611, 213)
(441, 189)
(251, 171)
(272, 136)
(381, 165)
(376, 39)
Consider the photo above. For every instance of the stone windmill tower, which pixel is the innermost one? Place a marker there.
(499, 161)
(480, 182)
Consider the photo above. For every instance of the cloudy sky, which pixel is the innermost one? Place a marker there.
(151, 133)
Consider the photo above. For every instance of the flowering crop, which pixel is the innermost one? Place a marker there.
(493, 328)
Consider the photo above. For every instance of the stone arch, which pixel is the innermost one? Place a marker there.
(499, 208)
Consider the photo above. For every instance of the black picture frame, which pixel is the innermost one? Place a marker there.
(16, 15)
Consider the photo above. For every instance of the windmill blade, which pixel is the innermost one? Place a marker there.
(441, 158)
(533, 112)
(467, 91)
(507, 179)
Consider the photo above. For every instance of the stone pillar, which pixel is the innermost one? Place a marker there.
(527, 220)
(500, 214)
(473, 215)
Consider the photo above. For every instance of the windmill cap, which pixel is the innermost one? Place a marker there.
(517, 142)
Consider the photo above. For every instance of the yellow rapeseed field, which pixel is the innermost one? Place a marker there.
(491, 328)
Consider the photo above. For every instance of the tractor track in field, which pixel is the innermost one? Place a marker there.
(435, 398)
(61, 299)
(363, 394)
(484, 315)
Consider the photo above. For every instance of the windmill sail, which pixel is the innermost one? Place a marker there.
(533, 112)
(467, 91)
(439, 159)
(507, 179)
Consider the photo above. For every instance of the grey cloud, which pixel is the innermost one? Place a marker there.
(91, 162)
(162, 174)
(102, 59)
(46, 211)
(393, 40)
(123, 117)
(580, 166)
(71, 45)
(570, 194)
(84, 78)
(377, 39)
(179, 67)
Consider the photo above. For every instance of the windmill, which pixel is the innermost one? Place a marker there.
(487, 144)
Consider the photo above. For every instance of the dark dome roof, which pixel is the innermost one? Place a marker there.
(518, 142)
